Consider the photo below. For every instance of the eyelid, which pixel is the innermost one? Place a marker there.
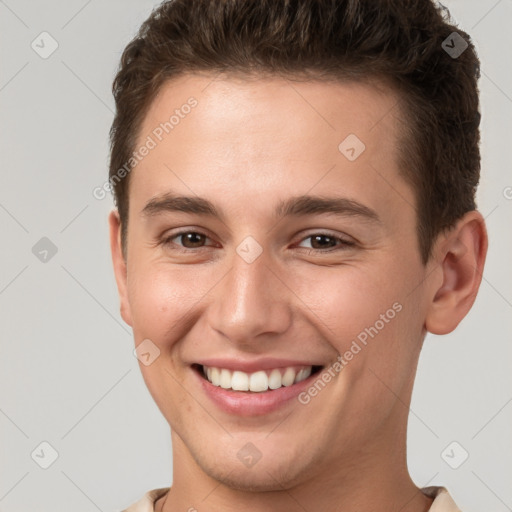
(345, 240)
(323, 232)
(166, 239)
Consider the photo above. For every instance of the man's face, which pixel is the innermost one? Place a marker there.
(255, 285)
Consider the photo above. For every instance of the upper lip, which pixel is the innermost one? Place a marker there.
(254, 365)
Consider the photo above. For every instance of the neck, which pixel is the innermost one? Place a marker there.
(371, 478)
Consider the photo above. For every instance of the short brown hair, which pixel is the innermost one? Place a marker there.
(404, 42)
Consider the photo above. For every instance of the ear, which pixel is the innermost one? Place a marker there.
(460, 256)
(120, 267)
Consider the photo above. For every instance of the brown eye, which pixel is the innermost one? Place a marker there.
(192, 240)
(185, 240)
(325, 242)
(318, 241)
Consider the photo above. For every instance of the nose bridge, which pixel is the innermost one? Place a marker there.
(250, 300)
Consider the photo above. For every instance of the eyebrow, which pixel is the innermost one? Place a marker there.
(292, 207)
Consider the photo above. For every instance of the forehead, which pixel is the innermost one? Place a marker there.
(258, 105)
(263, 137)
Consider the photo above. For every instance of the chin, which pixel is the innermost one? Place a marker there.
(280, 471)
(252, 480)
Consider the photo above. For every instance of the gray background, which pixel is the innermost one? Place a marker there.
(67, 371)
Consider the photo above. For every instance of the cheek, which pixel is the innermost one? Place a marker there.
(159, 302)
(368, 314)
(347, 300)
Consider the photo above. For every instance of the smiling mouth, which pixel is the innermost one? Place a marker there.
(255, 382)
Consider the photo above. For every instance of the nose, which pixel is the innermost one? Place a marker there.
(251, 301)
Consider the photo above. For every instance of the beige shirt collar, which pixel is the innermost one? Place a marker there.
(443, 502)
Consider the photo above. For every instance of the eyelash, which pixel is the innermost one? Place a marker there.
(344, 244)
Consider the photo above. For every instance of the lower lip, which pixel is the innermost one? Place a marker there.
(247, 403)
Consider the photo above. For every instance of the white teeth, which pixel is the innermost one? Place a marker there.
(303, 374)
(213, 375)
(240, 381)
(259, 381)
(225, 379)
(288, 377)
(274, 379)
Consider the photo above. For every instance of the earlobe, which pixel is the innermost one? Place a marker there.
(461, 256)
(119, 263)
